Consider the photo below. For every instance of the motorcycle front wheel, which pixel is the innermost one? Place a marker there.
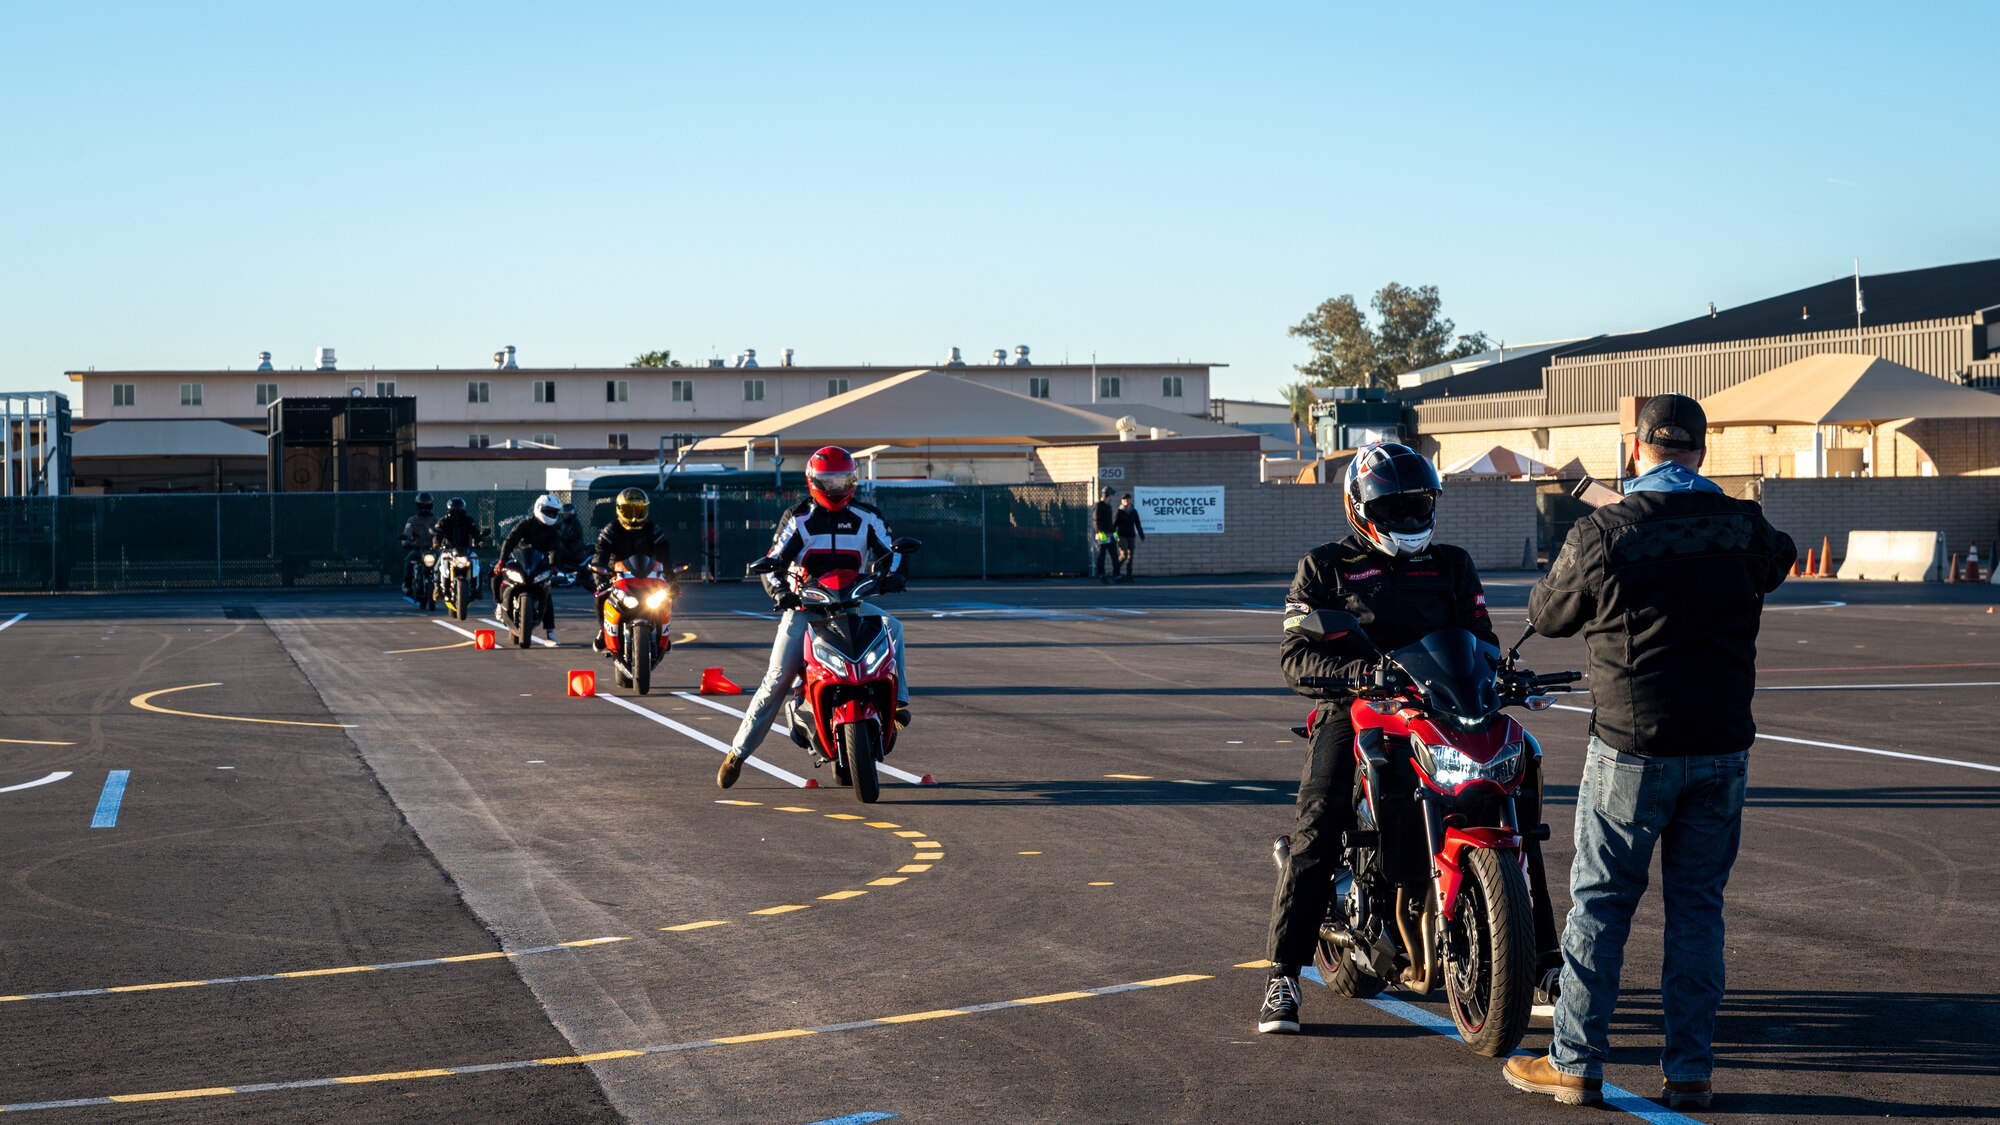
(642, 657)
(859, 748)
(1490, 989)
(459, 589)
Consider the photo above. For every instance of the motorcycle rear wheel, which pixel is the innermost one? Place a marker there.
(1338, 971)
(859, 749)
(1490, 991)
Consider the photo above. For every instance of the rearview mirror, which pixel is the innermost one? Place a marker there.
(1322, 625)
(907, 546)
(765, 565)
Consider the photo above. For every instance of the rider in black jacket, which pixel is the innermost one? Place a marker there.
(629, 533)
(416, 539)
(455, 528)
(1401, 586)
(539, 531)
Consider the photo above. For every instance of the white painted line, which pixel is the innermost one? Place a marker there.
(1113, 609)
(454, 628)
(11, 620)
(1821, 605)
(892, 771)
(1761, 737)
(784, 775)
(1879, 687)
(54, 777)
(531, 635)
(759, 616)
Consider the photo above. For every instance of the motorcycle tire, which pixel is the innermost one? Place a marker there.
(859, 748)
(642, 657)
(515, 616)
(1492, 991)
(459, 598)
(1338, 971)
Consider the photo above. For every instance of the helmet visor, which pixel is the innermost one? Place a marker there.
(1403, 511)
(835, 485)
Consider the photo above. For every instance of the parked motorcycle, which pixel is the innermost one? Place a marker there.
(456, 574)
(637, 611)
(1434, 887)
(844, 709)
(525, 578)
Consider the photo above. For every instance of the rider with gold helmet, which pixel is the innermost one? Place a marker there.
(630, 532)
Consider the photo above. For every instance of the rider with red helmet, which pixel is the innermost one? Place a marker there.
(830, 531)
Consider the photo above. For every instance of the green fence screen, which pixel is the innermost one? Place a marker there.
(184, 541)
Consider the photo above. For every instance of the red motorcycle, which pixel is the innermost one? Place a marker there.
(637, 612)
(1434, 885)
(844, 710)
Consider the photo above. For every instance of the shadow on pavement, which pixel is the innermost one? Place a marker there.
(1103, 793)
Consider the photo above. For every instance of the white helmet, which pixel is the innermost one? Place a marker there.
(548, 509)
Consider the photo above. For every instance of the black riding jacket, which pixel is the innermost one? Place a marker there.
(1128, 524)
(1397, 601)
(455, 529)
(1668, 590)
(618, 542)
(532, 532)
(1104, 519)
(417, 531)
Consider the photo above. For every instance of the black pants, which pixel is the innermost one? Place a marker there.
(1107, 558)
(548, 602)
(1128, 550)
(1325, 810)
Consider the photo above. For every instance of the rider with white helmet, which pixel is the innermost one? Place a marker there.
(540, 530)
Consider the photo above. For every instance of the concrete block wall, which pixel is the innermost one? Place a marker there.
(1966, 509)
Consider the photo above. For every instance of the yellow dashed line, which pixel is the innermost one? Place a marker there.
(571, 1060)
(746, 804)
(1255, 965)
(33, 742)
(913, 1017)
(686, 926)
(926, 844)
(779, 909)
(887, 882)
(1027, 853)
(793, 1033)
(593, 941)
(1129, 776)
(843, 816)
(169, 1095)
(475, 957)
(327, 972)
(1055, 997)
(906, 833)
(913, 868)
(790, 808)
(1104, 884)
(394, 1076)
(928, 855)
(146, 987)
(1184, 978)
(882, 824)
(834, 897)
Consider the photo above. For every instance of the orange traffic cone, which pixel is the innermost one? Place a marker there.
(1825, 557)
(482, 639)
(1972, 563)
(582, 683)
(1951, 572)
(713, 682)
(1795, 566)
(1811, 570)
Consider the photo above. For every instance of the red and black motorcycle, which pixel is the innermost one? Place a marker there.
(1434, 884)
(638, 610)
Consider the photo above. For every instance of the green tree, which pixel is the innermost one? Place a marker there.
(1410, 331)
(1344, 347)
(1300, 398)
(654, 359)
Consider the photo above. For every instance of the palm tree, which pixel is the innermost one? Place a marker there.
(1300, 398)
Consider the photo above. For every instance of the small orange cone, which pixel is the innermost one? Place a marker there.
(713, 682)
(1825, 556)
(482, 639)
(811, 783)
(582, 683)
(1795, 566)
(1951, 572)
(1811, 571)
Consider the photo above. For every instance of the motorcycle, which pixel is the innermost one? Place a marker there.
(456, 576)
(844, 708)
(525, 579)
(1433, 887)
(637, 610)
(423, 580)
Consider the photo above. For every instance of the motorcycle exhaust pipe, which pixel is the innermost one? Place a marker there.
(1420, 977)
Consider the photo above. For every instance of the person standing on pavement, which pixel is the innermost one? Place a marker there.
(1667, 587)
(1129, 532)
(1106, 524)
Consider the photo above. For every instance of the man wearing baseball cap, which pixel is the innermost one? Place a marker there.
(1667, 587)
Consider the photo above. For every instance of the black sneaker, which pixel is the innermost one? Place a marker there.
(902, 714)
(1281, 1007)
(727, 773)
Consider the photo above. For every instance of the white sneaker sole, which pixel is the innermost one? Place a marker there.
(1279, 1027)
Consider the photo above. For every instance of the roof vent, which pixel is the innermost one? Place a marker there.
(264, 361)
(954, 359)
(999, 357)
(749, 358)
(325, 359)
(504, 358)
(1711, 310)
(717, 362)
(1021, 356)
(785, 358)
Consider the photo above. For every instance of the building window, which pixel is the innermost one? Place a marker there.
(477, 392)
(616, 390)
(618, 441)
(1108, 386)
(543, 439)
(385, 390)
(545, 390)
(683, 390)
(190, 394)
(1038, 386)
(1170, 386)
(836, 387)
(122, 394)
(267, 393)
(753, 390)
(478, 441)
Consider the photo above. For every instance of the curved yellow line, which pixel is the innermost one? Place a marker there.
(144, 703)
(33, 742)
(433, 648)
(685, 638)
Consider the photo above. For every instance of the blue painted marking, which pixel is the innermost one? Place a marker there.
(1614, 1097)
(857, 1118)
(107, 803)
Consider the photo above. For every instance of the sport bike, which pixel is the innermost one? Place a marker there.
(637, 610)
(524, 590)
(457, 577)
(1433, 886)
(844, 710)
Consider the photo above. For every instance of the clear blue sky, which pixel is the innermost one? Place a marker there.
(184, 184)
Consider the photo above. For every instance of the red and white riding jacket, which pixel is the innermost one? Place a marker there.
(811, 541)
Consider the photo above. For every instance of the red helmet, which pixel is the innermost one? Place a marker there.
(831, 477)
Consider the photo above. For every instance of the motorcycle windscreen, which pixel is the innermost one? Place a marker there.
(638, 566)
(1455, 670)
(851, 635)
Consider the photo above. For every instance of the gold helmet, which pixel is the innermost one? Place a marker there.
(632, 508)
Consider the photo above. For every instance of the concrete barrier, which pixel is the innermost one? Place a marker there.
(1893, 556)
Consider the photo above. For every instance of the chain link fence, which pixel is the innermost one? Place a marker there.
(183, 541)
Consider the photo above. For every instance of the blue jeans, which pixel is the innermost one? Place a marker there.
(788, 661)
(1693, 808)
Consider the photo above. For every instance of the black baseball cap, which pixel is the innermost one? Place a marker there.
(1673, 422)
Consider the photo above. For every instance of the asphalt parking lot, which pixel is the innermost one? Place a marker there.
(359, 871)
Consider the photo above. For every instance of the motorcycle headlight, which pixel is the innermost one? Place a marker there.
(628, 601)
(828, 655)
(656, 599)
(461, 562)
(878, 652)
(1450, 768)
(430, 560)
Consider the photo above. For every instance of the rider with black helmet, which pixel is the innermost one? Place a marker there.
(416, 540)
(1401, 586)
(455, 528)
(630, 532)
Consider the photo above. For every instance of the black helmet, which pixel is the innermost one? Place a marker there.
(423, 503)
(1391, 496)
(455, 504)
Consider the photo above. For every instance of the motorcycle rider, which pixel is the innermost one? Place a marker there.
(830, 531)
(537, 530)
(1401, 586)
(571, 534)
(416, 539)
(456, 531)
(630, 532)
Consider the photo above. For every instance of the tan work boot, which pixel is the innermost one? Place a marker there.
(727, 773)
(1539, 1076)
(1691, 1095)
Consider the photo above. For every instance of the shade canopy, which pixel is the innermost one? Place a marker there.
(1498, 461)
(1840, 388)
(189, 437)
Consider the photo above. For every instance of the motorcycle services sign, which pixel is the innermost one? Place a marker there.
(1187, 510)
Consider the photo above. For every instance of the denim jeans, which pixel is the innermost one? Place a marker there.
(788, 661)
(1693, 809)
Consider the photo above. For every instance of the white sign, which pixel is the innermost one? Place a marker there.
(1111, 472)
(1187, 510)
